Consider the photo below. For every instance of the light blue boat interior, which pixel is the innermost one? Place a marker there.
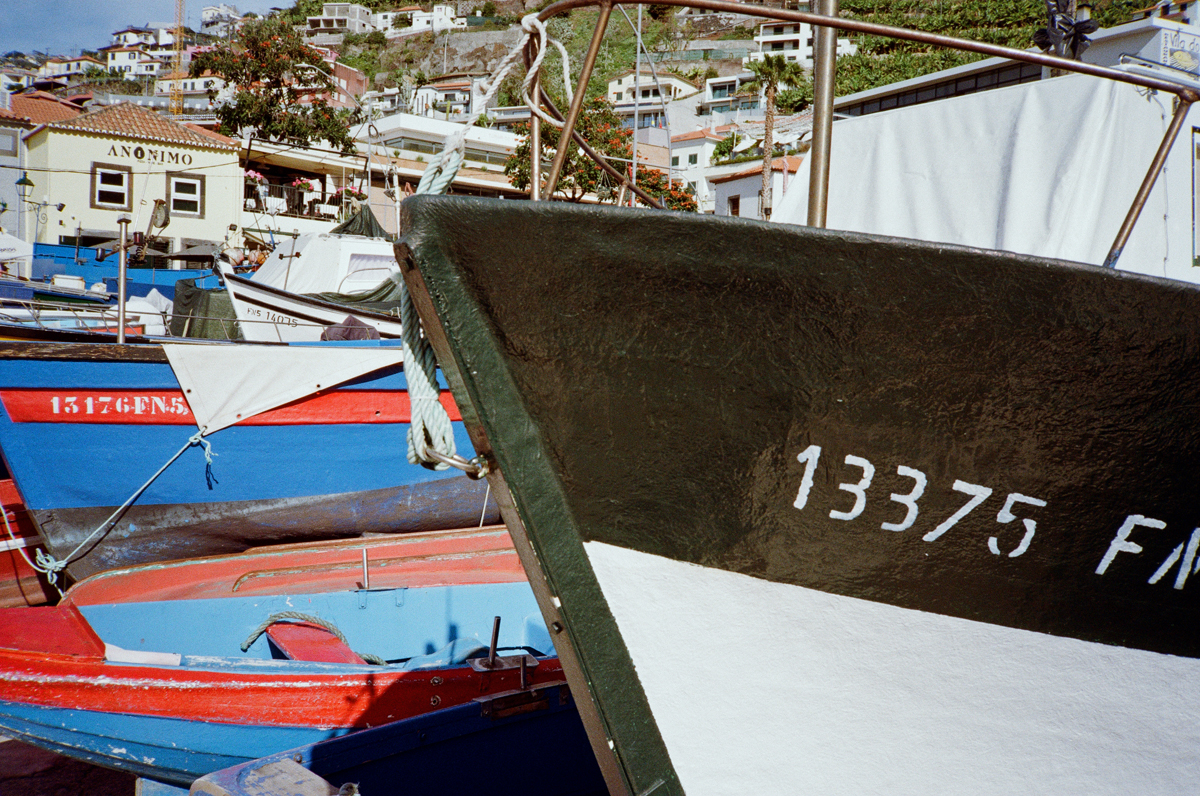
(416, 628)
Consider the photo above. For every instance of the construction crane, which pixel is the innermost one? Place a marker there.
(177, 75)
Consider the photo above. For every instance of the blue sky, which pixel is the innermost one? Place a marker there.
(64, 27)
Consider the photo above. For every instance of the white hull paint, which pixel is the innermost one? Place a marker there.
(760, 687)
(268, 317)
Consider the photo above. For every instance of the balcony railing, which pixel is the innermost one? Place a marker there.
(288, 200)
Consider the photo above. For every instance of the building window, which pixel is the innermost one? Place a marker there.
(112, 187)
(692, 159)
(675, 160)
(735, 205)
(185, 194)
(8, 142)
(619, 94)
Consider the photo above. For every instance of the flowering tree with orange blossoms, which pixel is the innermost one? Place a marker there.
(278, 85)
(602, 128)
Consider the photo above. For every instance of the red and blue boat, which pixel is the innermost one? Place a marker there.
(309, 443)
(174, 670)
(525, 741)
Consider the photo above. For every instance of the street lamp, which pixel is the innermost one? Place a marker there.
(25, 188)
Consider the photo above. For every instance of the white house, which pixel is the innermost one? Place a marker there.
(691, 161)
(447, 98)
(14, 79)
(792, 40)
(68, 67)
(724, 95)
(338, 19)
(392, 22)
(622, 87)
(219, 20)
(133, 37)
(441, 18)
(740, 193)
(420, 138)
(383, 102)
(124, 60)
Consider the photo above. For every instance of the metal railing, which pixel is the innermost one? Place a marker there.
(827, 22)
(290, 201)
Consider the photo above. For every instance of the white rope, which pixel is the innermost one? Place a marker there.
(21, 548)
(50, 566)
(430, 430)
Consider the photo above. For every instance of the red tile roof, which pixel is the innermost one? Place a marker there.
(721, 133)
(213, 134)
(792, 163)
(133, 121)
(40, 107)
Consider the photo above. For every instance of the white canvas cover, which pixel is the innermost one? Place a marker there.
(1047, 168)
(12, 248)
(325, 263)
(227, 383)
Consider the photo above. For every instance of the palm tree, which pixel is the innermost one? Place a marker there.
(770, 73)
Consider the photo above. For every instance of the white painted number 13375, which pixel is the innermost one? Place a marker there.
(978, 494)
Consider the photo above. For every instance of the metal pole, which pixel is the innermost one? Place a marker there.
(495, 641)
(637, 98)
(535, 132)
(585, 74)
(1139, 201)
(123, 223)
(824, 57)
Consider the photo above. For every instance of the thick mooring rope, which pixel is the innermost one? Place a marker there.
(431, 433)
(312, 620)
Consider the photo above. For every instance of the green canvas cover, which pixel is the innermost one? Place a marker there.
(362, 223)
(382, 298)
(203, 314)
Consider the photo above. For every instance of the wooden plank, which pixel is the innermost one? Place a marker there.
(59, 631)
(303, 641)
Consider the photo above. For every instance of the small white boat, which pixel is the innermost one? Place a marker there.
(296, 294)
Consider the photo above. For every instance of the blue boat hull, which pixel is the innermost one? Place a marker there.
(512, 744)
(267, 483)
(144, 745)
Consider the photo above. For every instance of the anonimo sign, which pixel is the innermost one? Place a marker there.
(150, 154)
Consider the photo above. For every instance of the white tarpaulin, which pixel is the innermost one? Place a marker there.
(324, 263)
(12, 248)
(1047, 168)
(227, 383)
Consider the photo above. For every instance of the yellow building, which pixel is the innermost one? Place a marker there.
(116, 161)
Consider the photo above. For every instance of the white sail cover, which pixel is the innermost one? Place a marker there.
(327, 263)
(12, 248)
(1047, 168)
(227, 383)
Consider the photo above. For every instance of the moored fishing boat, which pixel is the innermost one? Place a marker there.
(945, 491)
(523, 741)
(175, 670)
(299, 443)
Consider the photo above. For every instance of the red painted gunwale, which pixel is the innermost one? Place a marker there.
(297, 700)
(434, 558)
(31, 675)
(154, 407)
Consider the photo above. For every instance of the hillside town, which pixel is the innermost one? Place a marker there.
(693, 103)
(390, 392)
